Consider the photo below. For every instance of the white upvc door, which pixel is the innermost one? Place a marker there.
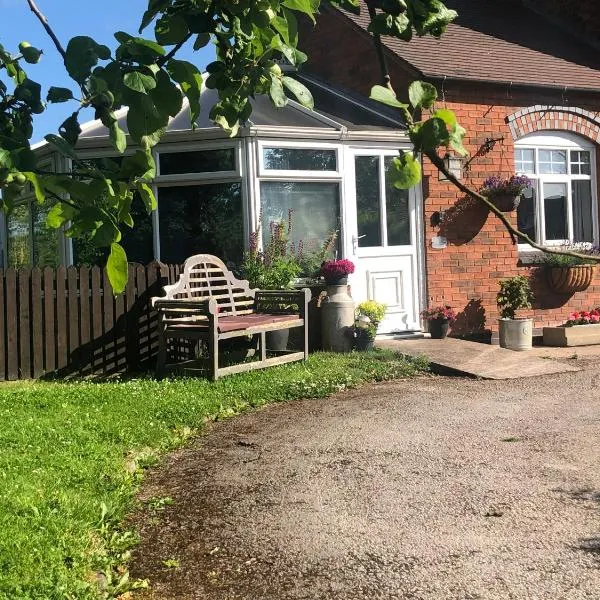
(382, 238)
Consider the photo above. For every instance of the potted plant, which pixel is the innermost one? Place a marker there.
(337, 309)
(570, 274)
(439, 319)
(505, 194)
(368, 316)
(273, 268)
(515, 294)
(335, 272)
(582, 328)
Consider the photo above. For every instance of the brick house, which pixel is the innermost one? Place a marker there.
(527, 89)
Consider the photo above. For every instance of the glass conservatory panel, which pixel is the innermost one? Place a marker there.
(201, 219)
(315, 209)
(299, 159)
(198, 161)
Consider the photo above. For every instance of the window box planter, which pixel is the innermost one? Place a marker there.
(577, 335)
(568, 280)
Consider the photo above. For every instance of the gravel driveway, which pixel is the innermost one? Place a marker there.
(441, 488)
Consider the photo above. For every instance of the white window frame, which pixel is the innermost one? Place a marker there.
(556, 140)
(291, 174)
(298, 176)
(199, 177)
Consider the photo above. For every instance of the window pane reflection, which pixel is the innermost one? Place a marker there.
(583, 230)
(19, 237)
(368, 201)
(526, 212)
(299, 159)
(555, 211)
(201, 219)
(398, 213)
(315, 206)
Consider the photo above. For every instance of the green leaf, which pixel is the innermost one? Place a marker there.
(276, 92)
(386, 96)
(117, 137)
(61, 145)
(144, 119)
(59, 94)
(299, 90)
(116, 267)
(201, 40)
(305, 6)
(83, 54)
(37, 186)
(147, 196)
(139, 82)
(447, 116)
(430, 134)
(422, 94)
(189, 78)
(59, 214)
(170, 29)
(457, 135)
(166, 95)
(140, 164)
(6, 159)
(405, 171)
(154, 7)
(70, 129)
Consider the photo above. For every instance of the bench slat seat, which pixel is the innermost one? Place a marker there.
(209, 303)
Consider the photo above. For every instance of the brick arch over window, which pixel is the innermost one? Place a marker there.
(566, 118)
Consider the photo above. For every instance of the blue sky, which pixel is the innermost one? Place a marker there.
(97, 18)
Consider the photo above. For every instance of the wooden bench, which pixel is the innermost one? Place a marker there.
(208, 303)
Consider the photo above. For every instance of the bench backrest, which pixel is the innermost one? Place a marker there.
(205, 276)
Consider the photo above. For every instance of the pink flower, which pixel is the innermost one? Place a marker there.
(595, 318)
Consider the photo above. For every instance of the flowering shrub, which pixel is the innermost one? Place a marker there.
(367, 318)
(496, 186)
(439, 312)
(337, 269)
(584, 317)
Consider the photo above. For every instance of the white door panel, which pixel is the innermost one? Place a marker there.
(377, 214)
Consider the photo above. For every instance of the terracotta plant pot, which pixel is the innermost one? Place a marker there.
(505, 202)
(438, 328)
(568, 280)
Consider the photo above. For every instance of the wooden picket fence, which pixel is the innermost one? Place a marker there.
(61, 322)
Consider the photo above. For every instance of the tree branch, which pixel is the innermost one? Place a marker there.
(163, 61)
(439, 164)
(44, 21)
(385, 72)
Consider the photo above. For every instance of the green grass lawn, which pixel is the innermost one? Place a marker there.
(72, 456)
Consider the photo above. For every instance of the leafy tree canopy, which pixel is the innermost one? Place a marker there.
(145, 76)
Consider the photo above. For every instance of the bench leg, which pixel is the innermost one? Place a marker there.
(213, 354)
(161, 358)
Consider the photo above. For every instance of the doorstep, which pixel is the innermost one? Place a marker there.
(476, 360)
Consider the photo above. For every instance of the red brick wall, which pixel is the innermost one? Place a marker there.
(480, 252)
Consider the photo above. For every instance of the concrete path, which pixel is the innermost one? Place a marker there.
(436, 488)
(478, 360)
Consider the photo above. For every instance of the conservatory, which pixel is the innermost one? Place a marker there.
(328, 167)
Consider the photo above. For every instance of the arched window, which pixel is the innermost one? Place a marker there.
(561, 207)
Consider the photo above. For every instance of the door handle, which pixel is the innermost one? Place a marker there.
(355, 239)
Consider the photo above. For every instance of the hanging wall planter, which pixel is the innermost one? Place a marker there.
(568, 280)
(505, 202)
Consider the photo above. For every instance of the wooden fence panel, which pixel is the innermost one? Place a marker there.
(12, 312)
(49, 330)
(37, 315)
(66, 321)
(62, 349)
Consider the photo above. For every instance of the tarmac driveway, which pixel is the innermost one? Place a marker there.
(441, 488)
